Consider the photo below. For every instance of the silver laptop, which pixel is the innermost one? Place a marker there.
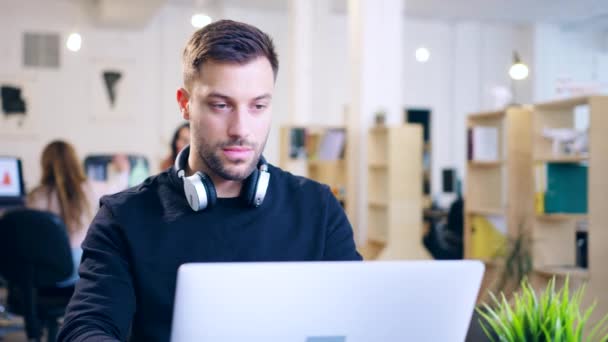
(326, 301)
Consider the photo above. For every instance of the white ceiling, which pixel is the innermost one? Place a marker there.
(582, 14)
(130, 14)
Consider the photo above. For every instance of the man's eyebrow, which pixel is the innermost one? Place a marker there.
(263, 97)
(226, 97)
(222, 96)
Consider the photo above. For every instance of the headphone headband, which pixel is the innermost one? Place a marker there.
(181, 160)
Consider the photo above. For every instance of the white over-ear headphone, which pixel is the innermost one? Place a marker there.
(201, 193)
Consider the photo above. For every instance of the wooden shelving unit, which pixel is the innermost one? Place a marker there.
(306, 161)
(560, 217)
(497, 163)
(394, 196)
(561, 159)
(486, 211)
(574, 272)
(554, 234)
(499, 191)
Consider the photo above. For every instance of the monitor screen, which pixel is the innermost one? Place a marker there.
(98, 168)
(11, 178)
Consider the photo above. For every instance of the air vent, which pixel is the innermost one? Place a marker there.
(41, 50)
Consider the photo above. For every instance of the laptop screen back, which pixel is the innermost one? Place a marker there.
(326, 301)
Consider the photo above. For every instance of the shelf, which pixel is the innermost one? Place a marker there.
(486, 115)
(427, 201)
(563, 104)
(379, 129)
(371, 249)
(561, 217)
(563, 271)
(562, 159)
(315, 129)
(485, 211)
(474, 163)
(494, 264)
(377, 165)
(377, 204)
(317, 162)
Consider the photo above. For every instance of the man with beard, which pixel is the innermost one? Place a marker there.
(221, 202)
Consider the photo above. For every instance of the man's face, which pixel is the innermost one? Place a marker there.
(229, 110)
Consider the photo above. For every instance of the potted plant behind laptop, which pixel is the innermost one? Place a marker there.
(551, 316)
(515, 264)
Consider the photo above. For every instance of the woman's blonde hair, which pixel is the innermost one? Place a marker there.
(62, 172)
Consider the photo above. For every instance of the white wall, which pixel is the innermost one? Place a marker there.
(330, 68)
(467, 59)
(65, 103)
(568, 57)
(60, 101)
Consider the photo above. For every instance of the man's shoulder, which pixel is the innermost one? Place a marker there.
(297, 184)
(138, 195)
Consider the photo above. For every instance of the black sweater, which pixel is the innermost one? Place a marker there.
(140, 237)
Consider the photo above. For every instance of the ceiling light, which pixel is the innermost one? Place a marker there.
(200, 20)
(74, 42)
(518, 71)
(422, 54)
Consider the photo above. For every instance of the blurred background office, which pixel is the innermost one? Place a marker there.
(400, 106)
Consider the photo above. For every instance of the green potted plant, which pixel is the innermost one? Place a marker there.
(514, 262)
(552, 316)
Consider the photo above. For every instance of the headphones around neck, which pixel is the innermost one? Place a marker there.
(200, 191)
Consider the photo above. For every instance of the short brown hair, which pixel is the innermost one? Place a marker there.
(226, 41)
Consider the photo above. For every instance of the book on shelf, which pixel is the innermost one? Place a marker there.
(312, 145)
(540, 176)
(489, 236)
(482, 143)
(297, 143)
(332, 144)
(566, 188)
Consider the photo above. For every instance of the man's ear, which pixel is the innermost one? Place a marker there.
(183, 100)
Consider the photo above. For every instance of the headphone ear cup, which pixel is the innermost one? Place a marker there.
(249, 187)
(210, 188)
(200, 192)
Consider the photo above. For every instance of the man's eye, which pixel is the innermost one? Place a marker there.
(259, 106)
(219, 105)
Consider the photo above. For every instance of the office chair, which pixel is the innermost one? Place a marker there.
(445, 239)
(35, 254)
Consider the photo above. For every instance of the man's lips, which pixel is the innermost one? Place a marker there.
(237, 152)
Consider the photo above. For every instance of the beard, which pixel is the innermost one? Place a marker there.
(211, 155)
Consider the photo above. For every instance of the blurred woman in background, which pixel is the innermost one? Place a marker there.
(64, 190)
(181, 138)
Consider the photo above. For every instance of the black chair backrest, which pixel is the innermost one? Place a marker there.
(34, 247)
(456, 217)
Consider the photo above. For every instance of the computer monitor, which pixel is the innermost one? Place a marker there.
(97, 167)
(12, 190)
(326, 301)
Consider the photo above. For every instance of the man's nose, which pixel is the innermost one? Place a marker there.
(239, 123)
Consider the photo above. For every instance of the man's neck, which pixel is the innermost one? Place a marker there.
(224, 188)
